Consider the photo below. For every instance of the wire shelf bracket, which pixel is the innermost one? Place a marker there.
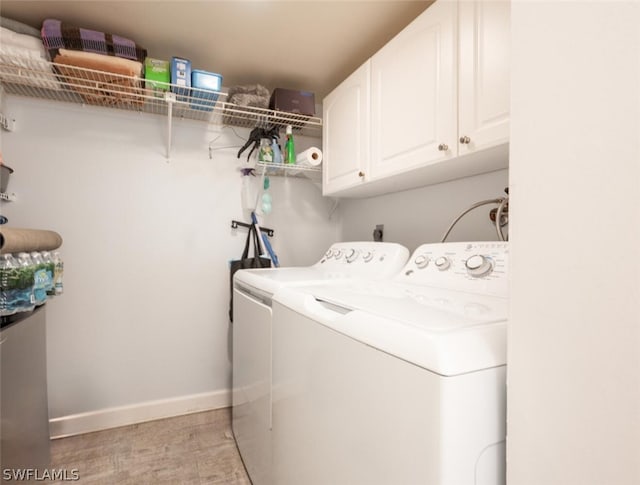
(7, 123)
(170, 98)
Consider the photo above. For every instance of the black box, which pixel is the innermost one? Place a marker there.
(293, 101)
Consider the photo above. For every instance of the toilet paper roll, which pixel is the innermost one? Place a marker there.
(312, 157)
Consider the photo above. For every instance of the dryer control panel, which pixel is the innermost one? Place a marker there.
(476, 267)
(364, 259)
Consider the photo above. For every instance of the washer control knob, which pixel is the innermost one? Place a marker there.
(368, 256)
(337, 254)
(442, 263)
(352, 255)
(421, 261)
(478, 265)
(329, 254)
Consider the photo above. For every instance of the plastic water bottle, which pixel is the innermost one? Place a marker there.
(40, 279)
(26, 300)
(50, 268)
(57, 273)
(9, 270)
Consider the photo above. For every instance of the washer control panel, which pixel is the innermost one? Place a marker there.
(477, 267)
(365, 259)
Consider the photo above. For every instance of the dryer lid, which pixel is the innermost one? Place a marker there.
(269, 280)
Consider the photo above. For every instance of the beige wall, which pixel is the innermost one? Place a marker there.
(574, 343)
(422, 215)
(146, 246)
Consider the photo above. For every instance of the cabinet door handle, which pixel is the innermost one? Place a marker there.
(443, 147)
(360, 174)
(465, 140)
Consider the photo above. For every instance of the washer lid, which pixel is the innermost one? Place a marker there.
(444, 331)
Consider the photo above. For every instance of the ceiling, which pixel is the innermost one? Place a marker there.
(307, 45)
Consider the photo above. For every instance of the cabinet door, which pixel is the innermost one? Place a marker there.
(484, 74)
(413, 94)
(345, 135)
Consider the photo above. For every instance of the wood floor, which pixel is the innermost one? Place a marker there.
(194, 449)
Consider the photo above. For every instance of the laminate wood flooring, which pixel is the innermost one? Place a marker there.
(193, 449)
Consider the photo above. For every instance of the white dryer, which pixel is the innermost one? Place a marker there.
(399, 381)
(252, 327)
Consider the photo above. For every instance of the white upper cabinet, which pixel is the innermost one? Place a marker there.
(413, 94)
(346, 133)
(483, 74)
(432, 105)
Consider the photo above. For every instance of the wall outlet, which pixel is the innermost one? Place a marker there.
(378, 233)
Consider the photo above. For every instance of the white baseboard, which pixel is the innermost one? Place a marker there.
(137, 413)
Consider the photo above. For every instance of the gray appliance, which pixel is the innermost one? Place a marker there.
(24, 414)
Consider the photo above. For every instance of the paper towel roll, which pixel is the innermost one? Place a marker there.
(13, 240)
(311, 157)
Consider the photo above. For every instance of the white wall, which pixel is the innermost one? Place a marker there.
(146, 247)
(422, 215)
(574, 343)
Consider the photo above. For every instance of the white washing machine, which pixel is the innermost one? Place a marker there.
(252, 326)
(395, 382)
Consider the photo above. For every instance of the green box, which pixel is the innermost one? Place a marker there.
(157, 74)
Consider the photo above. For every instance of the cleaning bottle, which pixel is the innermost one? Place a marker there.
(265, 154)
(275, 148)
(289, 148)
(266, 197)
(247, 192)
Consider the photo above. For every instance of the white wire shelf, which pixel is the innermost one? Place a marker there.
(290, 170)
(35, 78)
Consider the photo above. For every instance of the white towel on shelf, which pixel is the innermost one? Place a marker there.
(25, 61)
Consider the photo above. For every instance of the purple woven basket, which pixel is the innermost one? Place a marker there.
(57, 35)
